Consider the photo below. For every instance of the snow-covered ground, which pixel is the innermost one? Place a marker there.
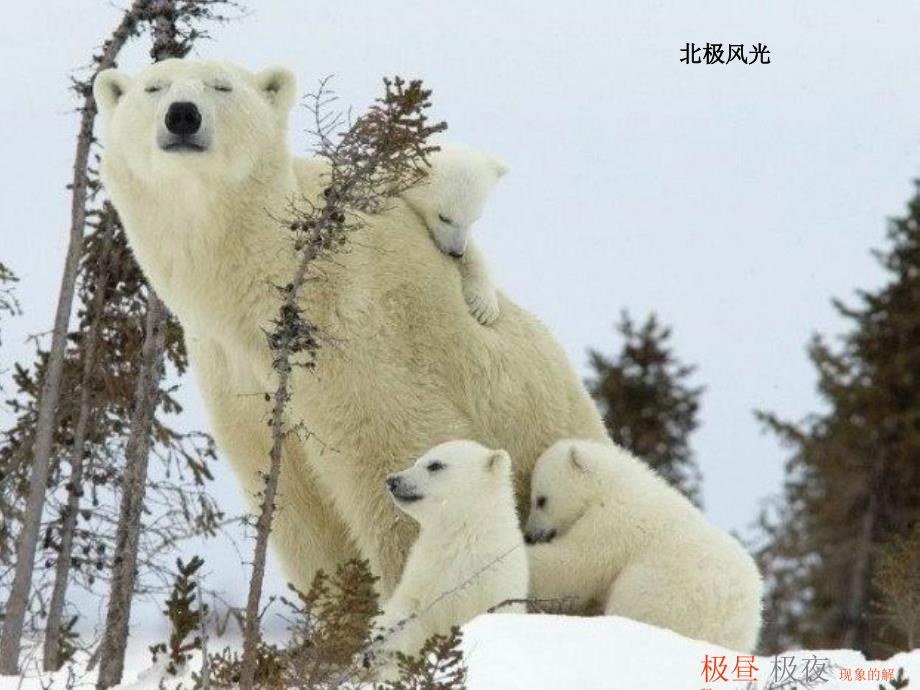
(518, 652)
(509, 652)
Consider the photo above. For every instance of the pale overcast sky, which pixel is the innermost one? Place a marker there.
(733, 200)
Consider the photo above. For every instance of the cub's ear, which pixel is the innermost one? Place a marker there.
(577, 462)
(279, 87)
(498, 460)
(108, 88)
(501, 169)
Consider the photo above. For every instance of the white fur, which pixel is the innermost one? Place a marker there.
(450, 200)
(402, 366)
(469, 556)
(624, 540)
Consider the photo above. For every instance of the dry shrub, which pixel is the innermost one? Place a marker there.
(438, 665)
(329, 645)
(897, 581)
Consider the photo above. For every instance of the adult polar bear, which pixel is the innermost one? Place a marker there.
(197, 163)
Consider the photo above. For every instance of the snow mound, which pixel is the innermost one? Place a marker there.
(520, 652)
(528, 652)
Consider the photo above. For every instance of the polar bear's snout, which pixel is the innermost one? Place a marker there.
(183, 118)
(540, 536)
(402, 490)
(450, 237)
(183, 128)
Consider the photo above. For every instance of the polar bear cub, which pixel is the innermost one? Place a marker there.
(470, 554)
(450, 200)
(609, 532)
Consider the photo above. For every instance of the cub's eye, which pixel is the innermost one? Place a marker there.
(445, 219)
(223, 88)
(541, 502)
(435, 466)
(153, 88)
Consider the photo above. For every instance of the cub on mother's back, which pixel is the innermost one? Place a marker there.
(450, 199)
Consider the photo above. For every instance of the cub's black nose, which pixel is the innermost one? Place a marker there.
(392, 482)
(183, 118)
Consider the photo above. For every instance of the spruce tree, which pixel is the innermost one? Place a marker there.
(853, 477)
(648, 403)
(9, 306)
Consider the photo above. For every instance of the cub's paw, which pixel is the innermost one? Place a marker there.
(483, 305)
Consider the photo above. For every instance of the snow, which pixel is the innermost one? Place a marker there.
(517, 652)
(521, 652)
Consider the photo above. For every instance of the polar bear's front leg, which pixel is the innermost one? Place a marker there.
(398, 627)
(307, 534)
(395, 631)
(386, 541)
(556, 580)
(568, 571)
(478, 288)
(355, 481)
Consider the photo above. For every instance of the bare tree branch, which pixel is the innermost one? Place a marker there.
(114, 642)
(51, 658)
(382, 153)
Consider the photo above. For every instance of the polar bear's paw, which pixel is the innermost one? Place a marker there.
(483, 303)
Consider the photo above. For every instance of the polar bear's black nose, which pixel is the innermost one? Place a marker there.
(541, 536)
(183, 118)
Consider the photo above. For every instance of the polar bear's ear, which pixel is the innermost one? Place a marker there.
(577, 463)
(278, 85)
(500, 168)
(108, 87)
(498, 459)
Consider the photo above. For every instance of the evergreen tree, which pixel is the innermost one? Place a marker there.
(186, 613)
(8, 303)
(647, 402)
(853, 479)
